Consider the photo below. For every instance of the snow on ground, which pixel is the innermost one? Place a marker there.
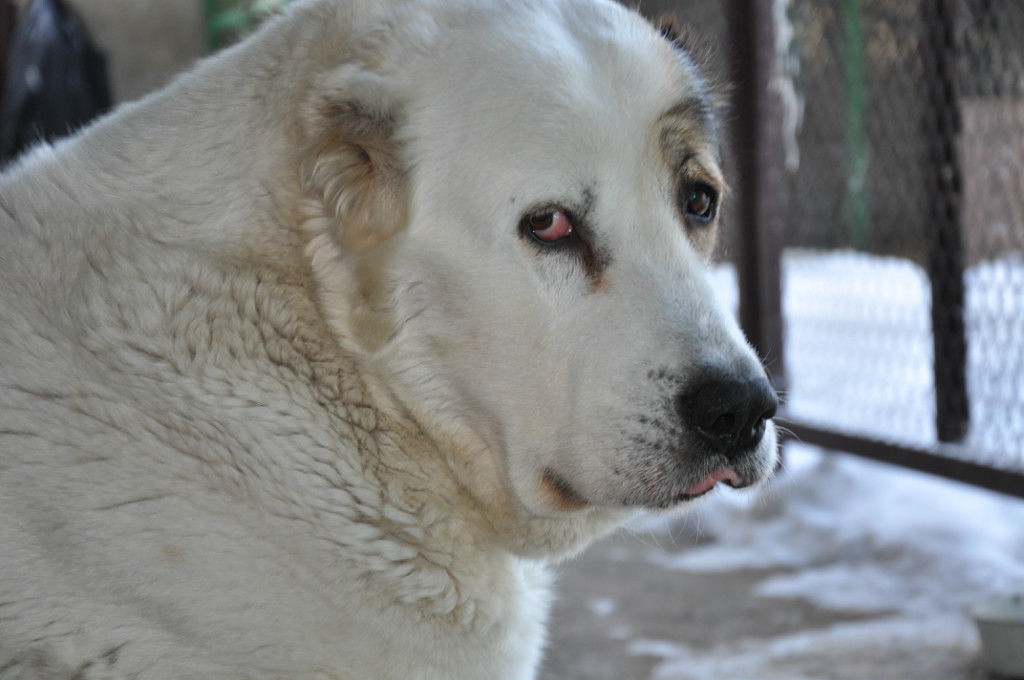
(844, 652)
(908, 551)
(995, 358)
(858, 343)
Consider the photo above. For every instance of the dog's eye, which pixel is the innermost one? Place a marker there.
(549, 226)
(699, 202)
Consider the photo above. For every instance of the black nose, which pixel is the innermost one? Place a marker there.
(727, 412)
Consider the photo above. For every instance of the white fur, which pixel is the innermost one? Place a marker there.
(280, 378)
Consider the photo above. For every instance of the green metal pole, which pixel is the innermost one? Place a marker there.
(226, 19)
(857, 199)
(209, 15)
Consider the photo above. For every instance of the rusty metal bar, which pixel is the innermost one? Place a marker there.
(944, 460)
(757, 143)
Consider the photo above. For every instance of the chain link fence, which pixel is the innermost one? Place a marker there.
(904, 287)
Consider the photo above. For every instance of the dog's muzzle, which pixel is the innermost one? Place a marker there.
(727, 413)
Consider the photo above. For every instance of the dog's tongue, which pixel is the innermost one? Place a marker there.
(706, 484)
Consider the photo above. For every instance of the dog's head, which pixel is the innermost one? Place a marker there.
(524, 197)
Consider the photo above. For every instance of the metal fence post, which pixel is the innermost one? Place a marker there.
(944, 186)
(757, 144)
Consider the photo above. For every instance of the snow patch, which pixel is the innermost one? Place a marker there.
(995, 363)
(858, 345)
(602, 606)
(848, 651)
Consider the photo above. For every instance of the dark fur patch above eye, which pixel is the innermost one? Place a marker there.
(595, 262)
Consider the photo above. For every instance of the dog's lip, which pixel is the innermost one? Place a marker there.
(726, 475)
(561, 493)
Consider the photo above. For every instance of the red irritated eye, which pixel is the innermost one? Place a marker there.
(549, 226)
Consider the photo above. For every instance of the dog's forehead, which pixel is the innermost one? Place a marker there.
(581, 73)
(551, 88)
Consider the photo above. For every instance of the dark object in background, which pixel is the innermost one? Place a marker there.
(7, 16)
(56, 79)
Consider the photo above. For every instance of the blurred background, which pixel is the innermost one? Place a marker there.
(873, 253)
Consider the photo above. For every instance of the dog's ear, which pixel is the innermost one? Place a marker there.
(700, 52)
(352, 163)
(669, 27)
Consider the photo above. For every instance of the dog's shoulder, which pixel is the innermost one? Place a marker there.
(193, 464)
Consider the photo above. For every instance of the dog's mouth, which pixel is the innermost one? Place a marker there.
(563, 496)
(561, 493)
(726, 475)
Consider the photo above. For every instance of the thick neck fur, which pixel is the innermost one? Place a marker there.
(365, 450)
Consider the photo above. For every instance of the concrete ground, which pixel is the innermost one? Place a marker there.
(617, 609)
(589, 642)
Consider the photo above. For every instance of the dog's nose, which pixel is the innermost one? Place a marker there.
(729, 413)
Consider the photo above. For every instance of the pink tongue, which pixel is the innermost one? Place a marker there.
(722, 475)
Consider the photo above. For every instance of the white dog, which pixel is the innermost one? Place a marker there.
(310, 362)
